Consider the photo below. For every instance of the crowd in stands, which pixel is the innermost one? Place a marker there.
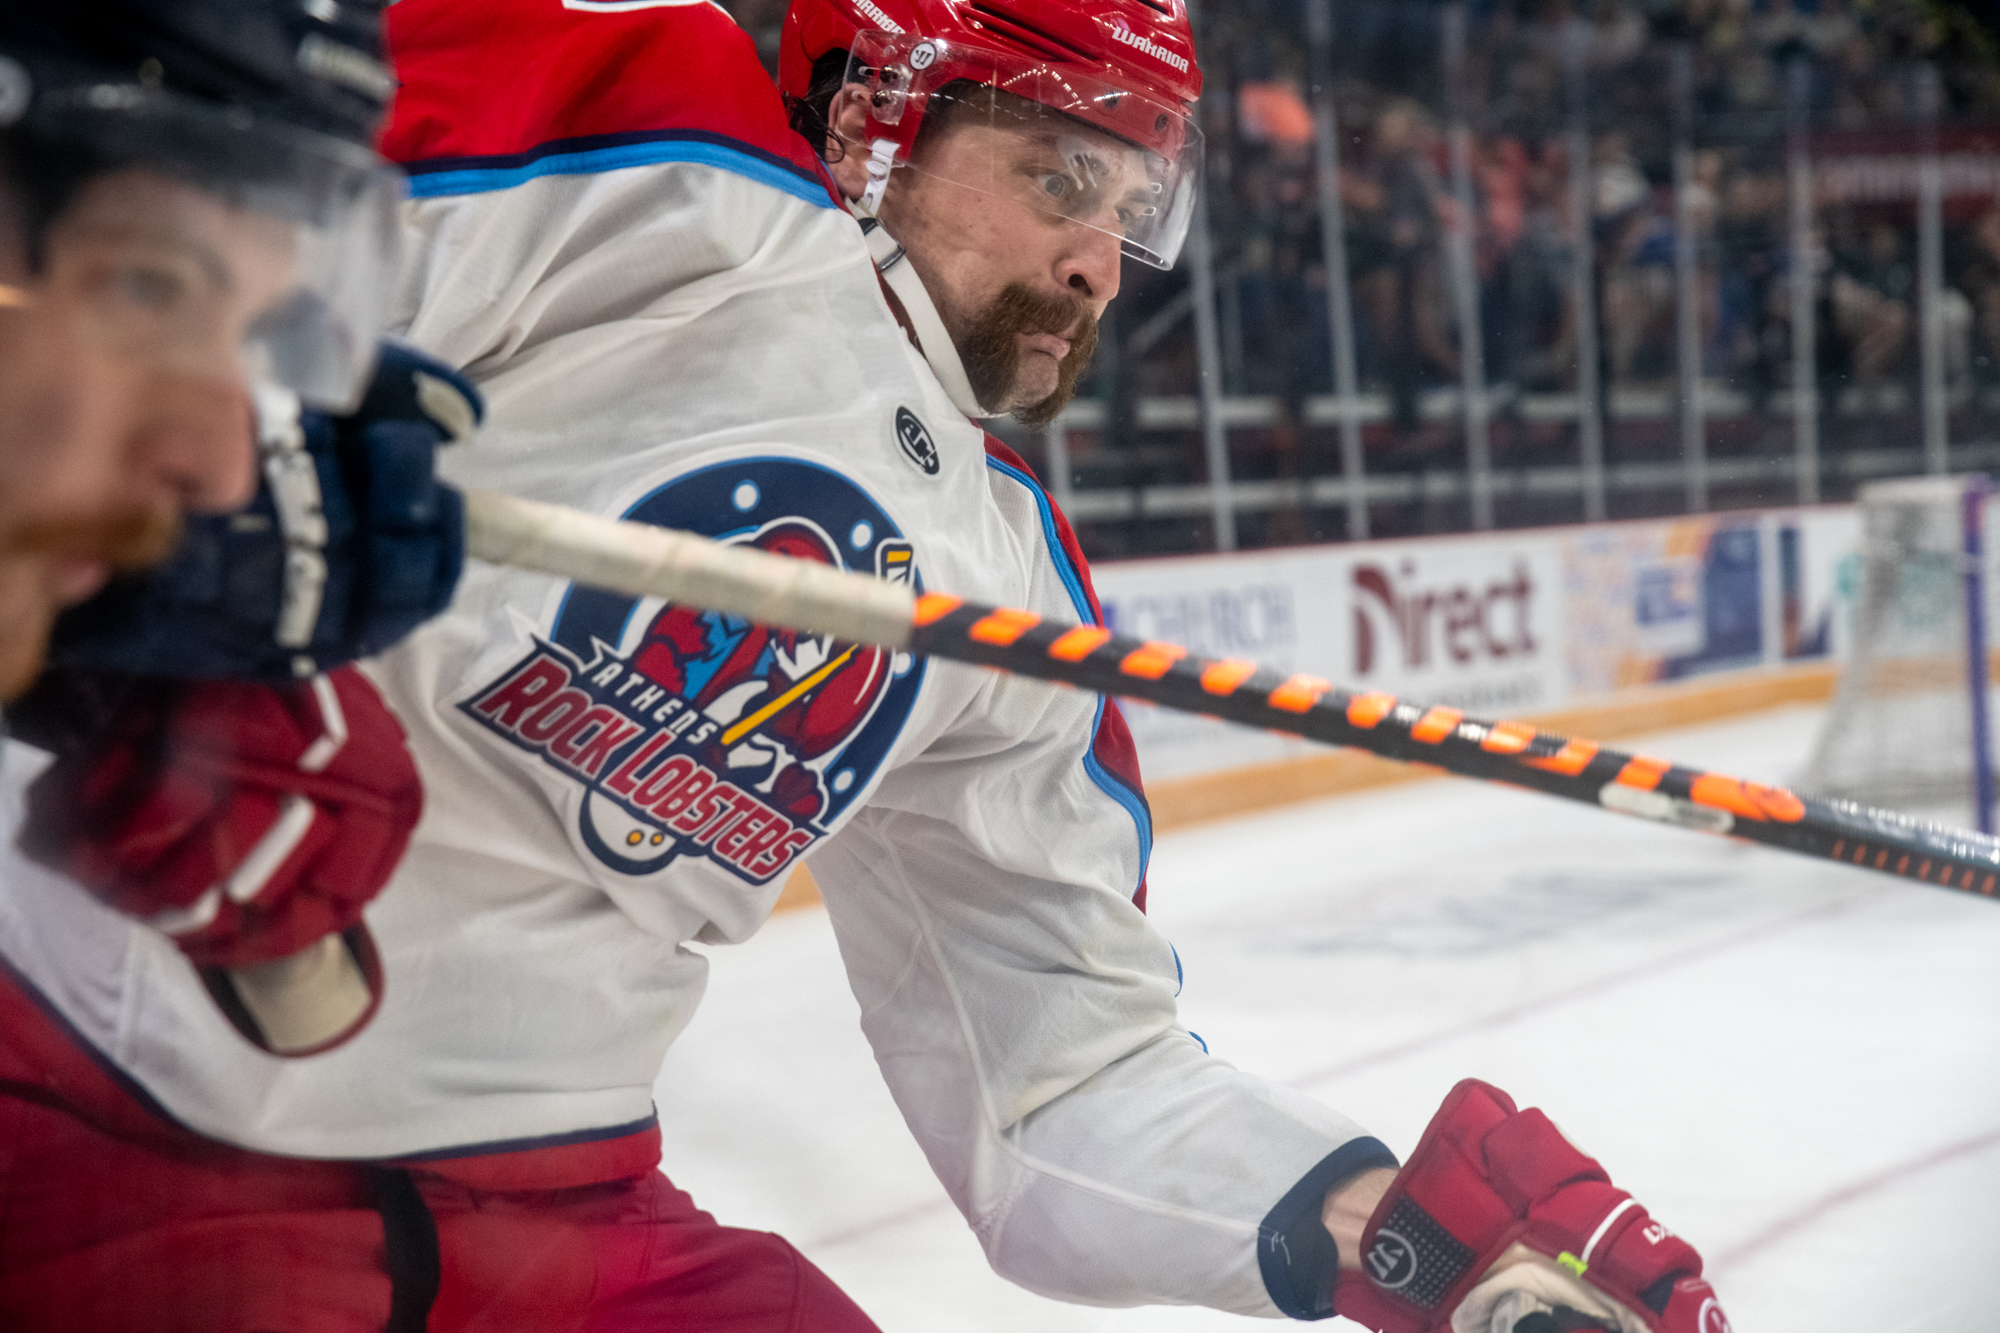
(1862, 67)
(1847, 78)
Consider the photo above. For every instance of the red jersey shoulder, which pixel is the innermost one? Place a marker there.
(485, 79)
(1072, 550)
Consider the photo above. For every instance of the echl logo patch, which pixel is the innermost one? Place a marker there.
(688, 733)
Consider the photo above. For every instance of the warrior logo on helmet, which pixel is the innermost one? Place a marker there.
(683, 732)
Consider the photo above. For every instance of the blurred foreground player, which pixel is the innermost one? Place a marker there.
(203, 221)
(675, 322)
(190, 213)
(187, 203)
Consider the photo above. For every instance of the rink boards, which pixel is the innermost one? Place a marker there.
(1528, 623)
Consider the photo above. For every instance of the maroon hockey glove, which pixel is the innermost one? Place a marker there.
(1498, 1224)
(252, 824)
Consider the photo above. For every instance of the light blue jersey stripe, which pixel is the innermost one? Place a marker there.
(1110, 785)
(484, 180)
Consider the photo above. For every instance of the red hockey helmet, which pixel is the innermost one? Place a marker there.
(1123, 69)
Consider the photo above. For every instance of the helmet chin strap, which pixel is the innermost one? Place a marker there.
(925, 324)
(881, 159)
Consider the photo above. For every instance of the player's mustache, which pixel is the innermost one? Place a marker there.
(1083, 346)
(131, 539)
(1021, 309)
(992, 354)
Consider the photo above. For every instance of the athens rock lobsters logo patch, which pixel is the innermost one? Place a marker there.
(689, 733)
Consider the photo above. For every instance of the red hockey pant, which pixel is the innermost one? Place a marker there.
(112, 1220)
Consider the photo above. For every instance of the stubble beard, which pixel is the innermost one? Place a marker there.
(125, 542)
(990, 349)
(26, 616)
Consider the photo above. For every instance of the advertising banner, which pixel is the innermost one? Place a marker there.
(1475, 622)
(1499, 624)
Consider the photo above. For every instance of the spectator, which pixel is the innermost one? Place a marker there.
(1536, 334)
(1979, 279)
(1751, 258)
(1273, 111)
(1872, 294)
(1405, 296)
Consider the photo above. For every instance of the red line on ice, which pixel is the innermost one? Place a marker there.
(1500, 1018)
(886, 1222)
(1886, 1178)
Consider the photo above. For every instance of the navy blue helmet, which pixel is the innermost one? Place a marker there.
(271, 105)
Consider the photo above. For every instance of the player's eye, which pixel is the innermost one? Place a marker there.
(148, 286)
(1056, 185)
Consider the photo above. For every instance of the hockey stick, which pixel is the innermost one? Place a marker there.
(640, 560)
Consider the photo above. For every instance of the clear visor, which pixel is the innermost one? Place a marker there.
(220, 241)
(1046, 140)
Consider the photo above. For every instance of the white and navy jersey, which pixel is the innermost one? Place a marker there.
(674, 322)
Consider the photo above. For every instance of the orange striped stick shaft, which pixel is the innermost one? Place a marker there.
(1510, 752)
(642, 560)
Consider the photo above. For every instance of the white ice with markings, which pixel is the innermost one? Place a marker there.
(1794, 1064)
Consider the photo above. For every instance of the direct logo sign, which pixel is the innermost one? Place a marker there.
(1489, 620)
(684, 732)
(918, 446)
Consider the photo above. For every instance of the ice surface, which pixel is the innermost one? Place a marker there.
(1794, 1064)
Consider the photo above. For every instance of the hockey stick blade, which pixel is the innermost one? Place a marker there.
(639, 560)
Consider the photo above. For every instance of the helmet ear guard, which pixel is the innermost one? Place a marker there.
(881, 160)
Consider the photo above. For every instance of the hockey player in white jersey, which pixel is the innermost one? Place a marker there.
(676, 322)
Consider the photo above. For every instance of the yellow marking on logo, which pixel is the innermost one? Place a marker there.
(1571, 1262)
(777, 705)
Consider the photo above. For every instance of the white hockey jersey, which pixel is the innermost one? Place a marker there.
(674, 322)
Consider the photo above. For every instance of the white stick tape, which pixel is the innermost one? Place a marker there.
(644, 561)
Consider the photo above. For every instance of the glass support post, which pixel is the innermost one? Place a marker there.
(1930, 279)
(1803, 260)
(1583, 272)
(1208, 358)
(1460, 236)
(1687, 288)
(1333, 253)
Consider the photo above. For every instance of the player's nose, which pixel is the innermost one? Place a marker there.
(1089, 264)
(197, 442)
